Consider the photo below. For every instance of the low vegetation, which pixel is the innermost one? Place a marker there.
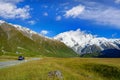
(71, 69)
(14, 42)
(89, 55)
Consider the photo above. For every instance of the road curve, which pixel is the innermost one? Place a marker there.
(15, 62)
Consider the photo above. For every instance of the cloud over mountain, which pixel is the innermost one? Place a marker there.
(75, 11)
(44, 32)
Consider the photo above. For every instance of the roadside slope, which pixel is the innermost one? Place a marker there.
(5, 64)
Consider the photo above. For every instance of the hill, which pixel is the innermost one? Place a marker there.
(17, 40)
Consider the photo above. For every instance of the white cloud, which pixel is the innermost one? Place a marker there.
(117, 1)
(58, 18)
(45, 14)
(101, 14)
(113, 35)
(75, 11)
(11, 1)
(44, 32)
(32, 22)
(9, 10)
(108, 16)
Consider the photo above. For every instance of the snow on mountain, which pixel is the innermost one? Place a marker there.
(1, 22)
(19, 27)
(82, 42)
(25, 31)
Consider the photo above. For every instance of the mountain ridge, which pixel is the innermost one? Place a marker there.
(17, 40)
(82, 42)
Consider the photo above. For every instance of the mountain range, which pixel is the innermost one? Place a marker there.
(18, 40)
(85, 43)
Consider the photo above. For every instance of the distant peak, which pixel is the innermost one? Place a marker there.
(84, 42)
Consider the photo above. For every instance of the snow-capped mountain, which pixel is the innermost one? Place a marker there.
(82, 42)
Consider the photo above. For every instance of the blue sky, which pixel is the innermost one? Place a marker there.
(51, 17)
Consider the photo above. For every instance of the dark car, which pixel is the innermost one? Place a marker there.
(21, 58)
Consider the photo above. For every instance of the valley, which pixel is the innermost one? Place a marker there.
(59, 39)
(63, 54)
(71, 69)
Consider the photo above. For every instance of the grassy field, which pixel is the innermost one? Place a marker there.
(71, 69)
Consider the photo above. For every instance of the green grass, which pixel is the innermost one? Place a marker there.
(89, 55)
(107, 71)
(15, 43)
(71, 68)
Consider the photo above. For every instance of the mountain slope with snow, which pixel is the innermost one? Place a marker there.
(82, 42)
(18, 40)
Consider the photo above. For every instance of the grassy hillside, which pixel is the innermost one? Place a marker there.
(15, 42)
(71, 68)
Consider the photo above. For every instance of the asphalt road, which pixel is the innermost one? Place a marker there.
(15, 62)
